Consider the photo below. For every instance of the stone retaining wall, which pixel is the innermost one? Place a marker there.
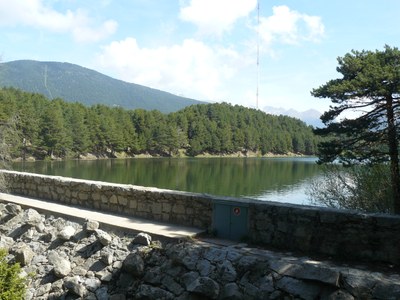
(155, 204)
(337, 233)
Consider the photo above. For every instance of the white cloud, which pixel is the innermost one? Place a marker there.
(216, 17)
(290, 27)
(191, 68)
(36, 14)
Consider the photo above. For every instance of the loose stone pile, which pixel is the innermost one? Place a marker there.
(70, 260)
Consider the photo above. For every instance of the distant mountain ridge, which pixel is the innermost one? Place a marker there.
(74, 83)
(310, 117)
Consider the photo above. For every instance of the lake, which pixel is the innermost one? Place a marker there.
(272, 179)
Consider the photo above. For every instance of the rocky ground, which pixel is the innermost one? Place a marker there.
(70, 260)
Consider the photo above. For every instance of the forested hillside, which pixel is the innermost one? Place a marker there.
(45, 127)
(74, 83)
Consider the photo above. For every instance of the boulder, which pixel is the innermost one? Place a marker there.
(204, 286)
(226, 271)
(92, 284)
(231, 291)
(142, 239)
(66, 233)
(150, 292)
(6, 242)
(13, 209)
(91, 226)
(32, 217)
(107, 256)
(134, 265)
(24, 255)
(102, 293)
(103, 237)
(61, 266)
(74, 285)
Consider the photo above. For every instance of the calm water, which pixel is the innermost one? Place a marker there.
(273, 179)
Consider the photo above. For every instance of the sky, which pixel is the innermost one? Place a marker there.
(204, 49)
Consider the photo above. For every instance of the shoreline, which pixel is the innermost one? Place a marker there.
(123, 155)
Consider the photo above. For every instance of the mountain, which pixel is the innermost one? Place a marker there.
(311, 116)
(74, 83)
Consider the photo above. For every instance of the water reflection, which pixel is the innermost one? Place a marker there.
(275, 179)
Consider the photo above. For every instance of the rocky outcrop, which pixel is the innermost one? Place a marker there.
(81, 261)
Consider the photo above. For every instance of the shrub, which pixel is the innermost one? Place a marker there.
(365, 188)
(12, 285)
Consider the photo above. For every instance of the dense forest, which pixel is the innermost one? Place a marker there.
(44, 128)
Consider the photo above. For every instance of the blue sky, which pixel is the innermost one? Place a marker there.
(203, 49)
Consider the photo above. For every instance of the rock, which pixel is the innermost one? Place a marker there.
(302, 289)
(231, 291)
(189, 277)
(73, 285)
(247, 262)
(24, 255)
(104, 275)
(102, 293)
(358, 283)
(40, 227)
(66, 233)
(134, 264)
(32, 217)
(142, 239)
(6, 242)
(103, 237)
(171, 285)
(61, 266)
(226, 271)
(153, 276)
(149, 292)
(92, 284)
(29, 294)
(215, 255)
(43, 290)
(204, 267)
(91, 226)
(79, 270)
(107, 257)
(308, 271)
(13, 209)
(57, 286)
(204, 286)
(125, 281)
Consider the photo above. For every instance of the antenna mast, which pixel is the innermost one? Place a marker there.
(258, 50)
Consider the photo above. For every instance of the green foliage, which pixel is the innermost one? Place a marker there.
(62, 129)
(12, 285)
(77, 84)
(360, 187)
(370, 86)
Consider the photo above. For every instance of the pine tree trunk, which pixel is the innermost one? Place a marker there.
(394, 155)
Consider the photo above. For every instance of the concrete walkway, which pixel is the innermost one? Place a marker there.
(116, 222)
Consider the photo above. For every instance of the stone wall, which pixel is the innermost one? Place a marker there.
(336, 233)
(155, 204)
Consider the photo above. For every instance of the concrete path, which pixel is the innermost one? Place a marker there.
(116, 222)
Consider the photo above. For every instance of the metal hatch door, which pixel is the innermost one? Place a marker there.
(230, 220)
